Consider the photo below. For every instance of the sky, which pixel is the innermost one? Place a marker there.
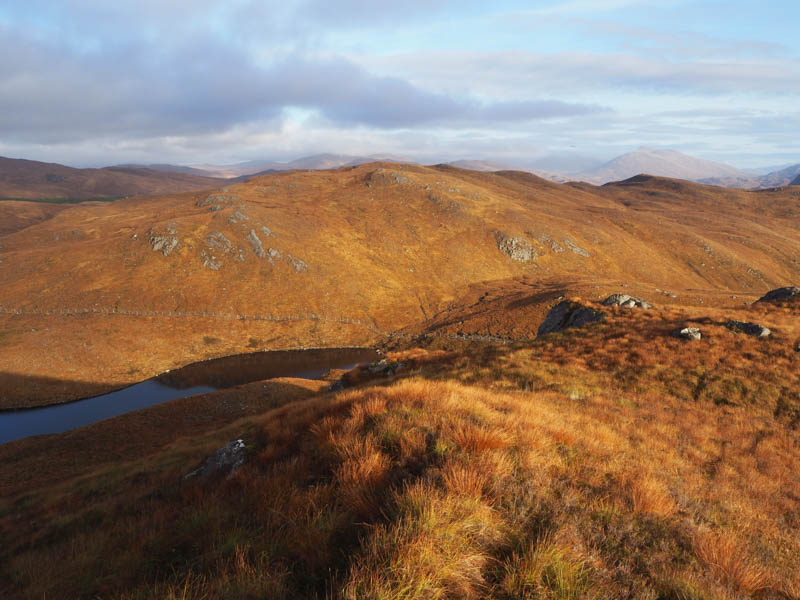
(90, 83)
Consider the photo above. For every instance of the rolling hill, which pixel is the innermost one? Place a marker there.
(491, 166)
(32, 180)
(314, 162)
(121, 291)
(167, 168)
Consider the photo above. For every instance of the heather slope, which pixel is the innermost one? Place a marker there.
(118, 292)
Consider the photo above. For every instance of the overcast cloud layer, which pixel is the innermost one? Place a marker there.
(87, 82)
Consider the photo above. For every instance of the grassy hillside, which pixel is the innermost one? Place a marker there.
(613, 461)
(122, 291)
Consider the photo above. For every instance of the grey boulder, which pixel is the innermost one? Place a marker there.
(753, 329)
(781, 294)
(689, 333)
(626, 301)
(568, 314)
(227, 460)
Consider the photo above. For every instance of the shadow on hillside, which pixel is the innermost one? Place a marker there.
(538, 298)
(44, 459)
(27, 391)
(235, 370)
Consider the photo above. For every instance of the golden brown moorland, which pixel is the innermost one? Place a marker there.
(122, 291)
(611, 461)
(614, 460)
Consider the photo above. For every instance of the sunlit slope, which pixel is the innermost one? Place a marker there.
(120, 291)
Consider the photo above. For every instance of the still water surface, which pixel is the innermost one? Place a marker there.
(197, 378)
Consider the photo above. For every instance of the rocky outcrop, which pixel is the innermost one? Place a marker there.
(210, 261)
(516, 248)
(382, 177)
(781, 294)
(217, 199)
(237, 217)
(164, 242)
(626, 301)
(255, 243)
(225, 461)
(554, 245)
(299, 265)
(575, 248)
(689, 333)
(753, 329)
(219, 241)
(385, 367)
(568, 314)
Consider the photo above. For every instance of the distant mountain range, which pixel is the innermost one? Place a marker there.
(25, 179)
(662, 163)
(32, 180)
(558, 168)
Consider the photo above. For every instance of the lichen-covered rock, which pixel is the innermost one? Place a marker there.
(753, 329)
(689, 333)
(516, 248)
(237, 217)
(226, 460)
(575, 248)
(255, 243)
(219, 241)
(298, 264)
(568, 314)
(210, 261)
(626, 301)
(554, 245)
(217, 199)
(781, 294)
(384, 177)
(164, 243)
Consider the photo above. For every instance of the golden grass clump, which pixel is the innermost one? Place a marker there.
(438, 546)
(730, 560)
(648, 495)
(545, 570)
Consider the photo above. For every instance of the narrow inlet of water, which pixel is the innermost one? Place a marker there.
(196, 378)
